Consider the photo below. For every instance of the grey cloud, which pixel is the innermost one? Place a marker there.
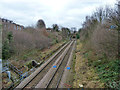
(69, 13)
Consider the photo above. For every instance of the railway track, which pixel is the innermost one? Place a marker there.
(55, 80)
(35, 77)
(54, 75)
(65, 73)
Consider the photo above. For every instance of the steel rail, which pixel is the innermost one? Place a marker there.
(58, 69)
(52, 71)
(24, 83)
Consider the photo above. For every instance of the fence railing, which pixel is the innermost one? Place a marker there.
(26, 74)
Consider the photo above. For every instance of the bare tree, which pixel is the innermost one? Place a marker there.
(55, 27)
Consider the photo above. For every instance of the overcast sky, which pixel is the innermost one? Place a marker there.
(67, 13)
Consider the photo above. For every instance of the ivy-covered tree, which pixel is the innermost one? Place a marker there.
(5, 50)
(7, 47)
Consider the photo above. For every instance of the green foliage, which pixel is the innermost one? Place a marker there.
(25, 57)
(109, 73)
(86, 55)
(56, 41)
(107, 70)
(7, 50)
(77, 36)
(10, 37)
(103, 59)
(29, 65)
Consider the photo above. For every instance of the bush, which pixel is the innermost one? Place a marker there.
(109, 73)
(56, 41)
(18, 41)
(7, 49)
(103, 41)
(77, 36)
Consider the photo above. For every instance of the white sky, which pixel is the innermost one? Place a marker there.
(67, 13)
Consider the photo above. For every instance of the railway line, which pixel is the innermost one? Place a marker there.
(52, 78)
(55, 80)
(46, 76)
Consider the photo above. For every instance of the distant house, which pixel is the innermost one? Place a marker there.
(49, 29)
(10, 25)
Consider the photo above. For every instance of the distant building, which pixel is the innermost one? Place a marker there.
(10, 25)
(49, 29)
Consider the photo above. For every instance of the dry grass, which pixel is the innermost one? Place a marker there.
(105, 41)
(31, 44)
(31, 38)
(35, 54)
(84, 74)
(102, 40)
(100, 48)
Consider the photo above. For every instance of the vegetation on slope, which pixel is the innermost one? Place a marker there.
(20, 47)
(84, 74)
(99, 36)
(31, 38)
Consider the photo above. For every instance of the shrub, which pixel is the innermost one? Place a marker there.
(109, 73)
(18, 41)
(7, 49)
(99, 38)
(77, 36)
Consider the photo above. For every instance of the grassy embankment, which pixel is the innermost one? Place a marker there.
(94, 72)
(97, 57)
(24, 59)
(84, 74)
(35, 54)
(22, 46)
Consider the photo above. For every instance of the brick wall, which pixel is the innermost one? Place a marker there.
(10, 25)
